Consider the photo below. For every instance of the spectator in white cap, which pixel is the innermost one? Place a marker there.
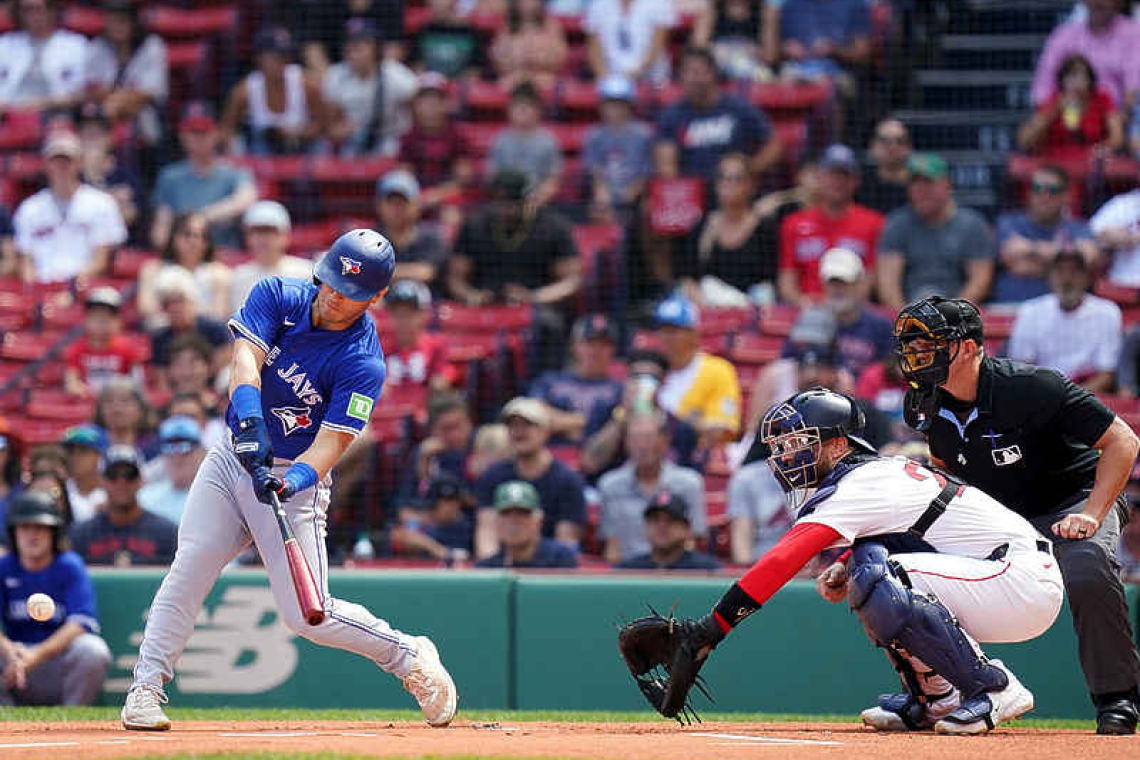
(68, 229)
(616, 153)
(864, 336)
(422, 251)
(267, 235)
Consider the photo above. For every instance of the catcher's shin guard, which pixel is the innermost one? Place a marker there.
(895, 615)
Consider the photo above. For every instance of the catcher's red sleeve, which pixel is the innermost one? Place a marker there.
(781, 563)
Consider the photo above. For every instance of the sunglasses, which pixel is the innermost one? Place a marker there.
(732, 177)
(1042, 187)
(123, 474)
(891, 139)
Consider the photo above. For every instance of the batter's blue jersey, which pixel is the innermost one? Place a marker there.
(65, 580)
(311, 378)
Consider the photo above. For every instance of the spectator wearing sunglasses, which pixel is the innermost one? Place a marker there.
(1029, 238)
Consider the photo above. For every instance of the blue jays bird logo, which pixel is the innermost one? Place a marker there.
(349, 266)
(292, 418)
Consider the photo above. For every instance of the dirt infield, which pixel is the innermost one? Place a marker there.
(589, 741)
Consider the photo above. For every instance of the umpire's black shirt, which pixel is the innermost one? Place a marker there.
(1027, 439)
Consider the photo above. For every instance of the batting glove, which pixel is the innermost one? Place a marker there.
(252, 445)
(265, 484)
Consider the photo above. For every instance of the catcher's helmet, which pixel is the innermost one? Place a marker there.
(941, 324)
(34, 508)
(358, 266)
(792, 430)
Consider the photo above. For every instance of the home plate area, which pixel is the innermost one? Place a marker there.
(588, 741)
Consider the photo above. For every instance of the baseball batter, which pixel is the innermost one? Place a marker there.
(935, 567)
(307, 368)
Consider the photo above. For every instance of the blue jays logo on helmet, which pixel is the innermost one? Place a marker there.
(359, 265)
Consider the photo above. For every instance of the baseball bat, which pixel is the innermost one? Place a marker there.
(299, 569)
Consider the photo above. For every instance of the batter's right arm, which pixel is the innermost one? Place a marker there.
(251, 445)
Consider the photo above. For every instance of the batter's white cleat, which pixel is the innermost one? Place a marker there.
(887, 715)
(428, 681)
(973, 718)
(143, 709)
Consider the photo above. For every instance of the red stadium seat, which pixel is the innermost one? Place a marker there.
(86, 21)
(416, 18)
(1121, 294)
(726, 320)
(778, 319)
(190, 23)
(486, 101)
(458, 318)
(20, 130)
(274, 168)
(313, 237)
(28, 346)
(44, 404)
(793, 134)
(570, 136)
(62, 317)
(128, 262)
(751, 349)
(787, 98)
(580, 99)
(480, 136)
(33, 432)
(183, 56)
(998, 322)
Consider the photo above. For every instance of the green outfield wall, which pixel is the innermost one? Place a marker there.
(538, 642)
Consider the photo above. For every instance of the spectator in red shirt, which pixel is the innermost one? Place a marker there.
(1079, 119)
(103, 351)
(836, 221)
(416, 357)
(435, 153)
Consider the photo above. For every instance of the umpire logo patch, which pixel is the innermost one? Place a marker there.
(360, 407)
(1007, 456)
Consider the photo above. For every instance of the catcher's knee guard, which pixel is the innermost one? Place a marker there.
(896, 616)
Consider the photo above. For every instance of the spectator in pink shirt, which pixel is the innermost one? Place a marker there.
(1108, 39)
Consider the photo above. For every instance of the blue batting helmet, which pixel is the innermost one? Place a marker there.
(358, 266)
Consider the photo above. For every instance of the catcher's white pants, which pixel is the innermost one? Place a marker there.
(1015, 598)
(222, 517)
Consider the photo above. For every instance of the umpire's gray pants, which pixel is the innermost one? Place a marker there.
(222, 517)
(1096, 599)
(74, 677)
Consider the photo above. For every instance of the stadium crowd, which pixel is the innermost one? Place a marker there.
(624, 229)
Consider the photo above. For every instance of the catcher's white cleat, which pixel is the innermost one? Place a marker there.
(887, 715)
(143, 709)
(973, 717)
(429, 682)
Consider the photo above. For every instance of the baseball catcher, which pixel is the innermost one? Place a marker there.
(931, 568)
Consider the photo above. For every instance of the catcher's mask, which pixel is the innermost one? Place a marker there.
(929, 335)
(794, 431)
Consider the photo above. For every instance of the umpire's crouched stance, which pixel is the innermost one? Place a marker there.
(1030, 438)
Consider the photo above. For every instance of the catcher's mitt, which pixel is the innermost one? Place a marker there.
(665, 656)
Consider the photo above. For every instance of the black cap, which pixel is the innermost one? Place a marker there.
(510, 185)
(445, 486)
(816, 354)
(667, 501)
(1068, 253)
(32, 507)
(273, 39)
(961, 313)
(360, 28)
(593, 327)
(410, 292)
(121, 455)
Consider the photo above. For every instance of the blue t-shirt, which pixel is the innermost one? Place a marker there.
(570, 393)
(864, 342)
(704, 135)
(837, 20)
(179, 188)
(559, 491)
(620, 155)
(548, 554)
(312, 378)
(690, 560)
(65, 580)
(1012, 288)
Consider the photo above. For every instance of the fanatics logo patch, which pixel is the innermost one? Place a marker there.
(349, 266)
(1007, 456)
(360, 407)
(293, 418)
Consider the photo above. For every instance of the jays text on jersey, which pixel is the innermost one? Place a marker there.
(311, 378)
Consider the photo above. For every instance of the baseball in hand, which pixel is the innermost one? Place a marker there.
(40, 607)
